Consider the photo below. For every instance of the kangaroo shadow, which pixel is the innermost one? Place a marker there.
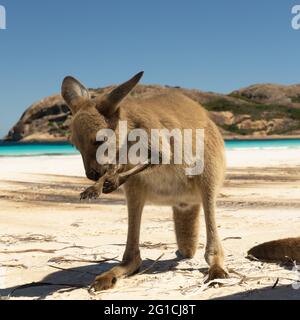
(267, 293)
(82, 277)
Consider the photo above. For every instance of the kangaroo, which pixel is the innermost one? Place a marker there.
(157, 184)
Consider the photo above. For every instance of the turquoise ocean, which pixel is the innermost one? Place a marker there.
(39, 149)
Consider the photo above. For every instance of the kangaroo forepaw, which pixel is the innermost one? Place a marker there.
(111, 184)
(90, 193)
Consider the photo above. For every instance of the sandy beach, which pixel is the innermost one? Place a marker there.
(48, 236)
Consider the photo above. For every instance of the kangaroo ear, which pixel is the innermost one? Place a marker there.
(73, 91)
(110, 104)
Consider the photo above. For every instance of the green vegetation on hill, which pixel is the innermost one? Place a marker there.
(296, 99)
(257, 111)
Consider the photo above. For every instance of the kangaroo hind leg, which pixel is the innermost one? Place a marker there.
(187, 223)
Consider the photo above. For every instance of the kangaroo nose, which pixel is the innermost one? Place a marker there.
(93, 175)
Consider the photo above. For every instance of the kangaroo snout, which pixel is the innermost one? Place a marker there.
(93, 175)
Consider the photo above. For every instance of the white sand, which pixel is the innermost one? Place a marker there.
(40, 209)
(263, 157)
(72, 165)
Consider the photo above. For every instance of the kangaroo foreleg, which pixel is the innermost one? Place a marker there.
(111, 181)
(114, 181)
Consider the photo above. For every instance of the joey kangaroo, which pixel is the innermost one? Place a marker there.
(158, 184)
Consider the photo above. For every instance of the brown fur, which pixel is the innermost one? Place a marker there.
(161, 184)
(279, 250)
(187, 223)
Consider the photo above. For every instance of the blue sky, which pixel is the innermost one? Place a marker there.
(210, 45)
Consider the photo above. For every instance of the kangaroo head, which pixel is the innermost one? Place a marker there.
(91, 115)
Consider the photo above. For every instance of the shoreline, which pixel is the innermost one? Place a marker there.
(240, 149)
(24, 150)
(263, 138)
